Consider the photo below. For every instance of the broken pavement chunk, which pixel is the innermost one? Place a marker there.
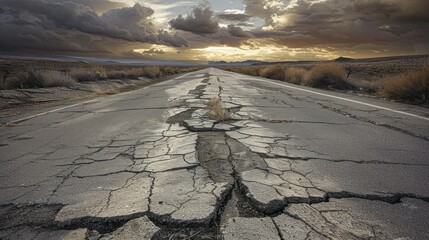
(136, 229)
(250, 229)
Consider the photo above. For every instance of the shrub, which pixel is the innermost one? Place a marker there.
(409, 87)
(216, 110)
(151, 72)
(273, 72)
(328, 76)
(252, 71)
(117, 74)
(368, 85)
(169, 70)
(295, 75)
(135, 73)
(44, 78)
(88, 74)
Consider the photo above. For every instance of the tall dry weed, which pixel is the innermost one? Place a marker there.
(217, 110)
(295, 75)
(116, 74)
(44, 78)
(273, 72)
(169, 70)
(409, 87)
(151, 72)
(88, 74)
(328, 76)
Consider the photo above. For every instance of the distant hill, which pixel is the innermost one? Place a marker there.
(243, 63)
(343, 59)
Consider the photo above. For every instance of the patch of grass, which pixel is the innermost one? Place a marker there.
(216, 110)
(273, 72)
(43, 78)
(115, 74)
(408, 87)
(295, 75)
(252, 71)
(168, 70)
(88, 74)
(333, 76)
(135, 73)
(368, 85)
(151, 72)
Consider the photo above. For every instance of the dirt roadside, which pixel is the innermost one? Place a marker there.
(18, 101)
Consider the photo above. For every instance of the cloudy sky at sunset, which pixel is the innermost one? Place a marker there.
(230, 30)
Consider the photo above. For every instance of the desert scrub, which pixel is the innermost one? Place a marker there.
(368, 85)
(135, 73)
(295, 75)
(408, 87)
(88, 74)
(329, 75)
(168, 70)
(252, 71)
(273, 72)
(44, 78)
(115, 74)
(217, 110)
(151, 72)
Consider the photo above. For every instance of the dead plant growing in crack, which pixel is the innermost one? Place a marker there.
(217, 110)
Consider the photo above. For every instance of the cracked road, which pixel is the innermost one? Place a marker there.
(290, 163)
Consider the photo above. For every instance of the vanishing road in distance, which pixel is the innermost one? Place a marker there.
(290, 163)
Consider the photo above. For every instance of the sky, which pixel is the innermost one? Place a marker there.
(216, 30)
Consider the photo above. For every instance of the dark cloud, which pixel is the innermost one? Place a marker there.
(136, 21)
(264, 9)
(99, 6)
(175, 40)
(108, 27)
(238, 31)
(153, 51)
(234, 17)
(199, 21)
(344, 24)
(27, 24)
(394, 10)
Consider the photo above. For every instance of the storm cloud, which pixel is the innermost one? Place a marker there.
(110, 27)
(344, 24)
(238, 31)
(199, 21)
(27, 24)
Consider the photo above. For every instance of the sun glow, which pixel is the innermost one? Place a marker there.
(239, 53)
(250, 50)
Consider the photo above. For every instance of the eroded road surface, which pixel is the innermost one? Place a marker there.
(290, 163)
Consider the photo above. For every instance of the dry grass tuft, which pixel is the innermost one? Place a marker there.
(151, 72)
(114, 74)
(169, 70)
(274, 72)
(135, 73)
(295, 75)
(332, 76)
(252, 71)
(88, 74)
(44, 78)
(409, 87)
(368, 85)
(216, 110)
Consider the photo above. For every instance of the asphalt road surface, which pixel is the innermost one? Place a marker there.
(289, 163)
